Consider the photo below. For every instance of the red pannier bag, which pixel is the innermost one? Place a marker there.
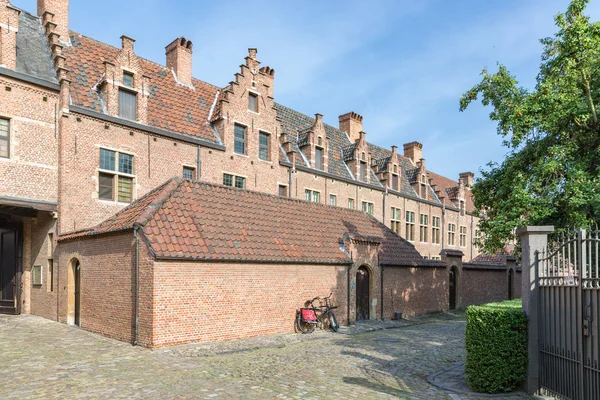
(308, 314)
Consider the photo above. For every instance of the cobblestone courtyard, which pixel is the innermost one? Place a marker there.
(44, 359)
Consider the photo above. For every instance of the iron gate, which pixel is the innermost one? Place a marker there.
(569, 294)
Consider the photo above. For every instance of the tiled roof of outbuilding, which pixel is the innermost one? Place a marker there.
(195, 220)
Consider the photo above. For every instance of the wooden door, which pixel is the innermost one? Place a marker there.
(362, 293)
(8, 267)
(452, 287)
(77, 284)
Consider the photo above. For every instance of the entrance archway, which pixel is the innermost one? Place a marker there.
(363, 284)
(452, 288)
(510, 283)
(74, 293)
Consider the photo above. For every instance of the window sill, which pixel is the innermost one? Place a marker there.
(265, 161)
(241, 155)
(115, 202)
(253, 112)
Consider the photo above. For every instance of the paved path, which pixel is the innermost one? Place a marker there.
(44, 359)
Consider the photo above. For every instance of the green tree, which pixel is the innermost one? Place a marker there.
(551, 174)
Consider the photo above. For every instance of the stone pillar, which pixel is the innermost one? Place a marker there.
(533, 239)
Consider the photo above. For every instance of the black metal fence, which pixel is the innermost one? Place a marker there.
(569, 295)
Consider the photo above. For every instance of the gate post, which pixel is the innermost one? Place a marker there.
(533, 239)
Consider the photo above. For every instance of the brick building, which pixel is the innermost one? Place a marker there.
(87, 129)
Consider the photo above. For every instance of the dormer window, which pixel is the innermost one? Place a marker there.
(423, 187)
(363, 170)
(394, 181)
(395, 169)
(127, 104)
(253, 102)
(363, 156)
(462, 207)
(320, 141)
(319, 158)
(127, 79)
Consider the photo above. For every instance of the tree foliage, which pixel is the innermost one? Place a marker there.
(551, 174)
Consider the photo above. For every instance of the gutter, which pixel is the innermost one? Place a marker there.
(137, 286)
(29, 79)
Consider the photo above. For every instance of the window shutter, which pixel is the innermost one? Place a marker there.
(127, 105)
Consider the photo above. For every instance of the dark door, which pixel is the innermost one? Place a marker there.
(362, 294)
(452, 286)
(510, 284)
(77, 276)
(8, 266)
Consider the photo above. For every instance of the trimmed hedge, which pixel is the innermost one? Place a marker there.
(496, 344)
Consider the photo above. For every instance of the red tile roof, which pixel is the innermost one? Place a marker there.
(195, 220)
(171, 106)
(448, 187)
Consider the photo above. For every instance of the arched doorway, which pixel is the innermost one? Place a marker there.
(452, 287)
(510, 283)
(363, 283)
(74, 293)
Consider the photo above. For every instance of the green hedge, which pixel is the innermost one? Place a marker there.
(496, 344)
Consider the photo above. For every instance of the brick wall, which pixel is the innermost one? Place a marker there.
(195, 301)
(43, 298)
(480, 286)
(415, 291)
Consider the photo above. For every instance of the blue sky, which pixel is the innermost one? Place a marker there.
(402, 65)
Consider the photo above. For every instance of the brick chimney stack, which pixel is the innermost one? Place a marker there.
(414, 151)
(351, 123)
(179, 59)
(58, 13)
(467, 178)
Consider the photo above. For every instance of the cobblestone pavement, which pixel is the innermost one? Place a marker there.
(44, 359)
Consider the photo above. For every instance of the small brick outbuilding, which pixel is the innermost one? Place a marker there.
(193, 261)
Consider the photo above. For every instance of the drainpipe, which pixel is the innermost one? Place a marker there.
(348, 291)
(290, 182)
(198, 163)
(443, 224)
(381, 277)
(137, 286)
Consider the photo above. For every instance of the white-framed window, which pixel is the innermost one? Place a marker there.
(435, 230)
(36, 275)
(239, 139)
(410, 226)
(451, 234)
(283, 190)
(264, 146)
(367, 207)
(234, 180)
(115, 176)
(4, 138)
(332, 200)
(351, 203)
(462, 236)
(312, 195)
(395, 220)
(423, 226)
(189, 173)
(253, 102)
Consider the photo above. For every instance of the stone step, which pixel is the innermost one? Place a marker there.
(7, 310)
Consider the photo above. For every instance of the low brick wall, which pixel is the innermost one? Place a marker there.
(196, 301)
(480, 284)
(414, 291)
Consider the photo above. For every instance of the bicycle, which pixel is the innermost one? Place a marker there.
(307, 318)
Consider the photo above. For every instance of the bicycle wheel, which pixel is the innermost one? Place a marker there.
(302, 326)
(333, 324)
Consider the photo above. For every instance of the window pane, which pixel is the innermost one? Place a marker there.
(127, 105)
(351, 203)
(227, 180)
(4, 138)
(316, 197)
(127, 79)
(125, 185)
(125, 163)
(332, 200)
(107, 159)
(239, 145)
(307, 195)
(240, 182)
(105, 187)
(283, 191)
(395, 182)
(263, 150)
(363, 171)
(318, 158)
(188, 173)
(253, 102)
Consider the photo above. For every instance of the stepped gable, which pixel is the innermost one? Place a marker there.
(171, 106)
(202, 221)
(449, 188)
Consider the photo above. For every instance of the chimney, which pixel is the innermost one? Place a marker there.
(8, 37)
(58, 14)
(467, 178)
(127, 43)
(179, 59)
(394, 150)
(414, 151)
(351, 123)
